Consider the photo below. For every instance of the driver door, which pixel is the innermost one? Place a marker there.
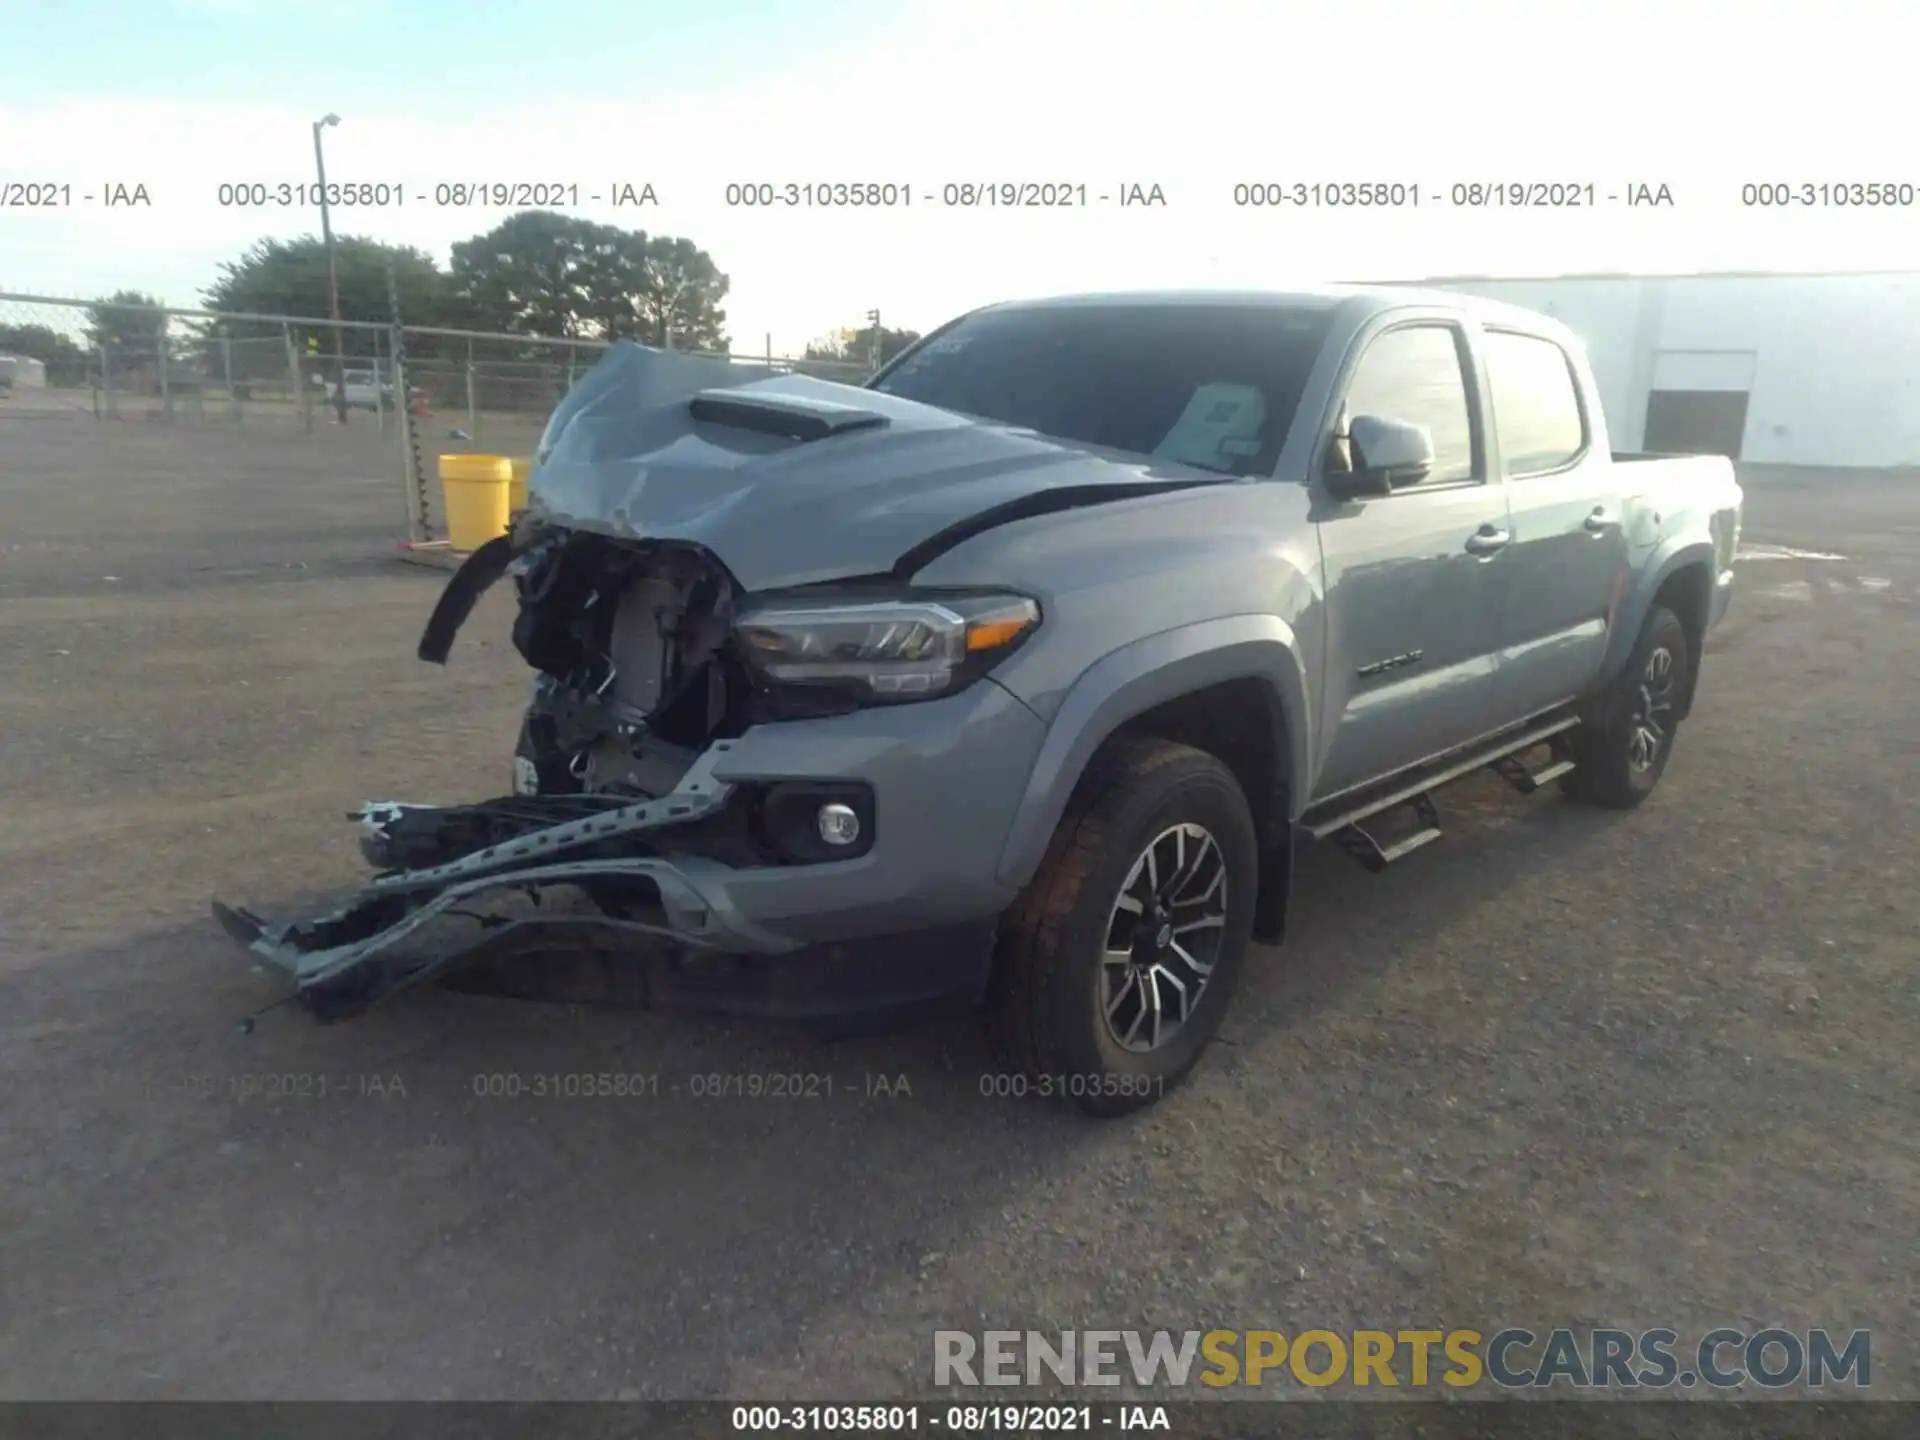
(1415, 579)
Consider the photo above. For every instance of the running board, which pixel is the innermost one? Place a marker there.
(1416, 793)
(1514, 771)
(1366, 847)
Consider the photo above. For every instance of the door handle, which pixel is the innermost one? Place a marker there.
(1488, 541)
(1599, 522)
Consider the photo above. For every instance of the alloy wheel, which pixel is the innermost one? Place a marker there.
(1652, 724)
(1163, 938)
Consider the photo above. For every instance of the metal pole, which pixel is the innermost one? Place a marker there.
(300, 396)
(411, 473)
(473, 409)
(226, 367)
(333, 271)
(166, 386)
(106, 377)
(379, 385)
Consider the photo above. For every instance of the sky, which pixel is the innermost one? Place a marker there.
(1194, 97)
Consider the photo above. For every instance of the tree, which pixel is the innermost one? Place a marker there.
(66, 362)
(619, 271)
(118, 324)
(537, 273)
(681, 295)
(289, 277)
(542, 273)
(857, 346)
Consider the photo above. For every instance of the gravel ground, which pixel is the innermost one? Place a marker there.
(1565, 1068)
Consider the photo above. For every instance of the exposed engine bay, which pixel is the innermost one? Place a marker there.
(638, 666)
(706, 549)
(638, 675)
(630, 644)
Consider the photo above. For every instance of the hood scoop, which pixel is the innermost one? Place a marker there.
(792, 417)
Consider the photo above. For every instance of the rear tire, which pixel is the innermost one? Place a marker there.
(1139, 915)
(1621, 751)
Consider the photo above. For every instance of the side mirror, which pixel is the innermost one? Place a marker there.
(1386, 455)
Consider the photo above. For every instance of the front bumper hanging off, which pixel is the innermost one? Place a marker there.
(347, 959)
(713, 958)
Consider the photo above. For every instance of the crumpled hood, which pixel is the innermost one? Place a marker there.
(676, 447)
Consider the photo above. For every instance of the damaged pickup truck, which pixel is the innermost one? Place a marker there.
(1014, 677)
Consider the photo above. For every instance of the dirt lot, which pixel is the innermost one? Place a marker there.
(1563, 1069)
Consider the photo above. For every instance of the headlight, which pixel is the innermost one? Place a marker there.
(886, 651)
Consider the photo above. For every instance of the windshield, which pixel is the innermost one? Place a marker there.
(1208, 384)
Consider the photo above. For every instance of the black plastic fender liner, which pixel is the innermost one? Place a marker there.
(475, 576)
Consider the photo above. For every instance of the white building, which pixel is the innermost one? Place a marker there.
(1817, 370)
(22, 371)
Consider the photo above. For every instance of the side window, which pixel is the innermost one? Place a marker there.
(1536, 407)
(1413, 374)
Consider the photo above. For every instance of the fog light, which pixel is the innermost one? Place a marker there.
(838, 825)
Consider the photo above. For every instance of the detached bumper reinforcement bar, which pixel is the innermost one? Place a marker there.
(324, 952)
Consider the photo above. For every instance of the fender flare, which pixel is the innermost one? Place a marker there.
(1674, 555)
(1132, 680)
(476, 575)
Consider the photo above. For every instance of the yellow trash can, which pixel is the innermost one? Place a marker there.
(517, 487)
(475, 489)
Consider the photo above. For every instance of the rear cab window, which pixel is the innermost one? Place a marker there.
(1537, 415)
(1211, 385)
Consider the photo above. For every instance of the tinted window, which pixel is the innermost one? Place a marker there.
(1413, 374)
(1536, 409)
(1209, 385)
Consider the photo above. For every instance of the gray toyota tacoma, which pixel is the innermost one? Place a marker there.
(1014, 677)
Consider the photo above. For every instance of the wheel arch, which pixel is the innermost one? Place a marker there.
(1234, 688)
(1679, 577)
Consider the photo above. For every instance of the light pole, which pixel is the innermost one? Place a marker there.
(333, 272)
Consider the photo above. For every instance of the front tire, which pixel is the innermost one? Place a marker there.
(1622, 750)
(1119, 960)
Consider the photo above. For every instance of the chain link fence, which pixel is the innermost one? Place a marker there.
(120, 362)
(352, 397)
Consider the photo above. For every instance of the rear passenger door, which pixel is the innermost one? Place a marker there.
(1569, 555)
(1415, 578)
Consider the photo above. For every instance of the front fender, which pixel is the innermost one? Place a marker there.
(1134, 679)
